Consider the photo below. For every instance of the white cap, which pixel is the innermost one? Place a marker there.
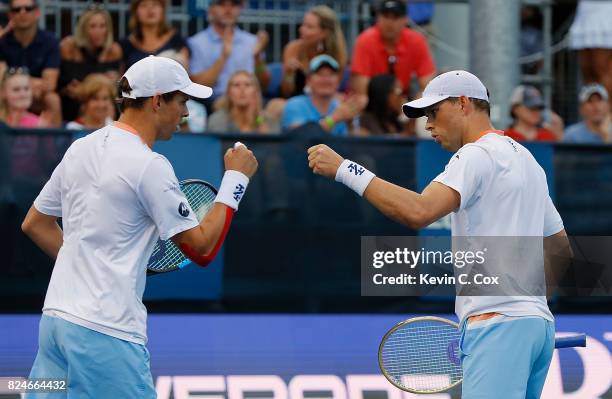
(160, 75)
(446, 85)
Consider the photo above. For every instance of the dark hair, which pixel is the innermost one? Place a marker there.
(379, 88)
(136, 103)
(479, 105)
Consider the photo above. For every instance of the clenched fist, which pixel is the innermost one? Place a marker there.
(324, 161)
(241, 159)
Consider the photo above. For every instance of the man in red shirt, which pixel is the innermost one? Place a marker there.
(389, 47)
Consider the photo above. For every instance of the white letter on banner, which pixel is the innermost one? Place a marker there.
(356, 385)
(597, 373)
(184, 385)
(163, 387)
(238, 385)
(302, 383)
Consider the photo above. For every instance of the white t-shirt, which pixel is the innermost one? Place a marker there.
(503, 193)
(116, 197)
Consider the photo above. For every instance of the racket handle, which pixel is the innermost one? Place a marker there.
(238, 144)
(571, 342)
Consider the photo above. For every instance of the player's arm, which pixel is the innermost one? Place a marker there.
(411, 208)
(44, 231)
(400, 204)
(201, 243)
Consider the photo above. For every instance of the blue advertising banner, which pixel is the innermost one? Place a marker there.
(286, 356)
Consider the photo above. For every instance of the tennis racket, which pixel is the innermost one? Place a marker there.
(421, 355)
(166, 256)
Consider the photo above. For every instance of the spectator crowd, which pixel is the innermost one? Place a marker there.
(71, 82)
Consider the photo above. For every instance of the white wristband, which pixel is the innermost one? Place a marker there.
(354, 176)
(233, 187)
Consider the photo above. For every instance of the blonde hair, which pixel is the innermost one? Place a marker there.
(7, 75)
(80, 33)
(334, 44)
(93, 84)
(226, 103)
(135, 26)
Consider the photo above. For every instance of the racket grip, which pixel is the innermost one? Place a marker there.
(238, 144)
(571, 342)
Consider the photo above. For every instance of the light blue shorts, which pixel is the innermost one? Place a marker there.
(506, 357)
(95, 365)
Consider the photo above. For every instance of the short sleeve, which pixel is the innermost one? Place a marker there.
(466, 172)
(52, 61)
(293, 114)
(49, 201)
(552, 220)
(361, 63)
(163, 200)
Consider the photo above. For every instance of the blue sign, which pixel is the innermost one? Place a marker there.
(291, 356)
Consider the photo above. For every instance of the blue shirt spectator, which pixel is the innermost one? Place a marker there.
(223, 49)
(321, 103)
(580, 133)
(207, 47)
(596, 126)
(300, 110)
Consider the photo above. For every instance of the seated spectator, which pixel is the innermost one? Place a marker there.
(150, 34)
(25, 45)
(391, 47)
(527, 105)
(90, 50)
(596, 126)
(96, 95)
(321, 104)
(242, 108)
(29, 153)
(320, 33)
(223, 48)
(16, 98)
(383, 112)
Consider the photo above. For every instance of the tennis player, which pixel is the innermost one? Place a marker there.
(492, 186)
(116, 197)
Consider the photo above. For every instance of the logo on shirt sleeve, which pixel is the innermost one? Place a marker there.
(183, 209)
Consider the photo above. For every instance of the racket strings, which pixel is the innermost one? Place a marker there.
(423, 356)
(201, 199)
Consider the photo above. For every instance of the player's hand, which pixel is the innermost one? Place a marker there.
(228, 41)
(241, 159)
(262, 41)
(324, 161)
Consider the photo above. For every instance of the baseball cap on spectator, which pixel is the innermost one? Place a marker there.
(160, 75)
(321, 61)
(396, 7)
(587, 91)
(528, 96)
(450, 84)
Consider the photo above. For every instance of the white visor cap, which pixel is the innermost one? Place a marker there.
(450, 84)
(160, 75)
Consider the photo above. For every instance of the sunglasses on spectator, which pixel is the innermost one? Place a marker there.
(18, 9)
(17, 71)
(96, 7)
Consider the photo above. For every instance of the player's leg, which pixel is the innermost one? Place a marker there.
(539, 370)
(497, 356)
(50, 362)
(102, 366)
